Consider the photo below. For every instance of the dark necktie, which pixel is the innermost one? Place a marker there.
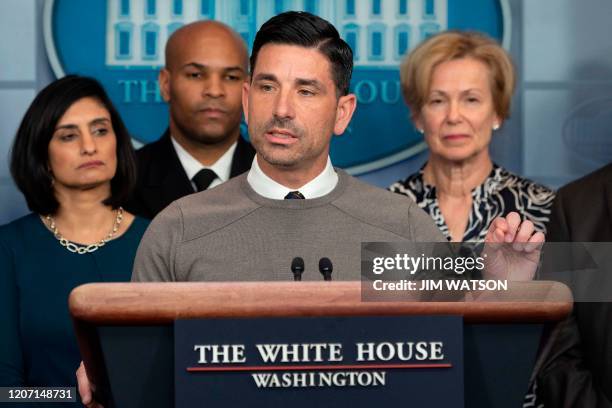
(294, 195)
(203, 178)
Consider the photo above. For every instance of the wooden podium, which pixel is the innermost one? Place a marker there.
(125, 330)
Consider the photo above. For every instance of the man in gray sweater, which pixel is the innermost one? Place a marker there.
(292, 203)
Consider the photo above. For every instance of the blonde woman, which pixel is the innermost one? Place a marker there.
(458, 86)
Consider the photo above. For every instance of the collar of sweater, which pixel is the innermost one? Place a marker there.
(343, 181)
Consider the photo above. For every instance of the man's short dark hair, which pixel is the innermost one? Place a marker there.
(310, 31)
(30, 152)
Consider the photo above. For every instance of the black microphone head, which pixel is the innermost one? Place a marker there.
(326, 268)
(297, 267)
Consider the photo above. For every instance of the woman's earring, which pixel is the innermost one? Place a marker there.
(495, 126)
(421, 131)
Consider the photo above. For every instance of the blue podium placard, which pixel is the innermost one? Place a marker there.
(412, 361)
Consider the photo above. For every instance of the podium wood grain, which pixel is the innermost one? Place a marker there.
(159, 303)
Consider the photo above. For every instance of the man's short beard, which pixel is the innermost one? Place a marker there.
(287, 163)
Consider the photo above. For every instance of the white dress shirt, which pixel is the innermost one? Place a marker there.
(222, 167)
(319, 186)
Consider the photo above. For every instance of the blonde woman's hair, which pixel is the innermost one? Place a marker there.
(417, 67)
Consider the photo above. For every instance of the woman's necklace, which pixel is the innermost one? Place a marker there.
(84, 249)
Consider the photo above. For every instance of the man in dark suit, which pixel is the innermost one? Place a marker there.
(206, 64)
(576, 366)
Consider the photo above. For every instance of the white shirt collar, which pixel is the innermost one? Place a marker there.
(222, 167)
(319, 186)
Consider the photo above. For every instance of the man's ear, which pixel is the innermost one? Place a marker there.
(344, 112)
(164, 83)
(246, 87)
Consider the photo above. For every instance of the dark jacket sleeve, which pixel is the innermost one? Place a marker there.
(563, 380)
(557, 227)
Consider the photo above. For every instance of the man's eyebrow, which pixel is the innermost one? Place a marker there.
(265, 77)
(194, 65)
(203, 67)
(299, 81)
(310, 82)
(235, 68)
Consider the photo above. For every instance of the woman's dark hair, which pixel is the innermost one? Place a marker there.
(310, 31)
(30, 152)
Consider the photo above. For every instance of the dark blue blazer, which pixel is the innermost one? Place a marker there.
(162, 179)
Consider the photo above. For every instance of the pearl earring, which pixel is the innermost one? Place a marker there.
(495, 126)
(421, 131)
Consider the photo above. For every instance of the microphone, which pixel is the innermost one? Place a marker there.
(326, 268)
(297, 267)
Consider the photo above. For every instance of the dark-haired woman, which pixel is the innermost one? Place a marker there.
(72, 159)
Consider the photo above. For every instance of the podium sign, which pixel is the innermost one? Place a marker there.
(319, 361)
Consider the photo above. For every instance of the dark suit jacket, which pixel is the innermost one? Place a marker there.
(577, 368)
(162, 179)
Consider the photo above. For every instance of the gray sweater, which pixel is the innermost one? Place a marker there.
(231, 233)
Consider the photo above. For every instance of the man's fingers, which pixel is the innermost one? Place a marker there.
(497, 230)
(525, 232)
(83, 384)
(514, 221)
(535, 242)
(84, 387)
